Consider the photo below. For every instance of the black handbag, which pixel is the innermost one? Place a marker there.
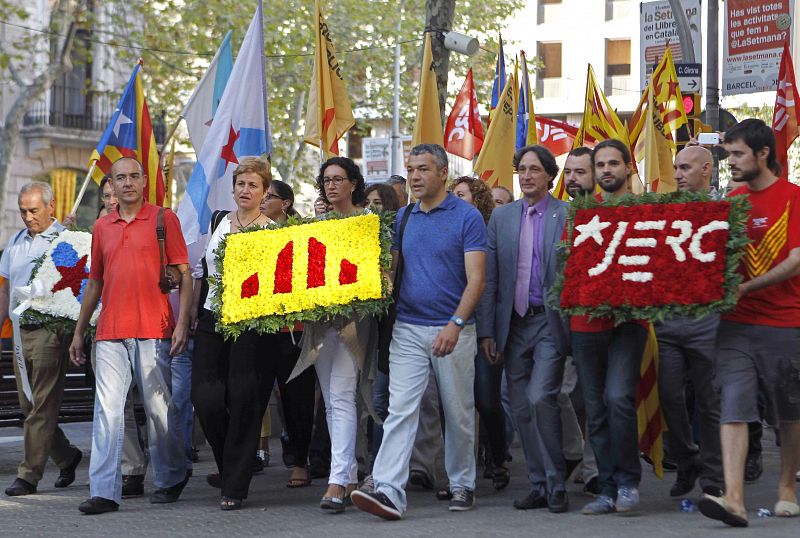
(386, 323)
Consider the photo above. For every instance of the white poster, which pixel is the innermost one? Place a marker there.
(375, 153)
(658, 31)
(755, 31)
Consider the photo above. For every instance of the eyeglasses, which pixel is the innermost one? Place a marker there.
(336, 180)
(272, 196)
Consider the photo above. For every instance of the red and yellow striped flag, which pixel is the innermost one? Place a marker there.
(648, 406)
(62, 181)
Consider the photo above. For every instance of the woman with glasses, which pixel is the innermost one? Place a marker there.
(338, 349)
(297, 396)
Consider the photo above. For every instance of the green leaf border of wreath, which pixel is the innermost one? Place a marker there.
(275, 322)
(55, 324)
(737, 241)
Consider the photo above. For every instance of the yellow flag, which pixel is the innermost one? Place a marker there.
(495, 162)
(328, 115)
(62, 181)
(658, 171)
(170, 175)
(599, 119)
(668, 97)
(428, 125)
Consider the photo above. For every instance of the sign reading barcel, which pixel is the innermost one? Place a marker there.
(297, 272)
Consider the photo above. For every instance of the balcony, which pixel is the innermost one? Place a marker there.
(550, 88)
(618, 9)
(548, 12)
(619, 85)
(73, 117)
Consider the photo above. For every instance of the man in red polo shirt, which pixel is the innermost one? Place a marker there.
(133, 334)
(757, 343)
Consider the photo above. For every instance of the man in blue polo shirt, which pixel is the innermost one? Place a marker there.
(444, 253)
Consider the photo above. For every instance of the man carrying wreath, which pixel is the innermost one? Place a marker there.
(44, 357)
(757, 343)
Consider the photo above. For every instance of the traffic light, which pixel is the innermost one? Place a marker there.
(691, 105)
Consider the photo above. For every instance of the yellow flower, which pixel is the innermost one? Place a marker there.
(347, 250)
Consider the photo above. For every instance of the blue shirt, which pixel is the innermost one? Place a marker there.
(434, 244)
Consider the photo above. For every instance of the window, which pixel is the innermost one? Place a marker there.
(550, 53)
(618, 57)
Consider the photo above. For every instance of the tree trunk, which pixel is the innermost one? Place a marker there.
(28, 94)
(439, 17)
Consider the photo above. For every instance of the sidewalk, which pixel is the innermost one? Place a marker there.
(274, 510)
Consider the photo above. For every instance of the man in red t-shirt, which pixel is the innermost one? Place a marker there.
(133, 333)
(757, 343)
(608, 358)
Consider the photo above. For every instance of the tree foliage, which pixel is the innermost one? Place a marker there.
(364, 32)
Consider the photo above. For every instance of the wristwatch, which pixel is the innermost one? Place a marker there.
(458, 321)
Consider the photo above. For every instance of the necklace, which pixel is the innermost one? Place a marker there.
(249, 223)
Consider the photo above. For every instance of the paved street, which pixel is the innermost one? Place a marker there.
(274, 510)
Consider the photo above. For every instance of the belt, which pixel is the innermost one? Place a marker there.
(534, 310)
(31, 326)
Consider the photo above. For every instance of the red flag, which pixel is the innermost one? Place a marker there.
(463, 133)
(785, 118)
(558, 136)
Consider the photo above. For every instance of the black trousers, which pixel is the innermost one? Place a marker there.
(297, 397)
(231, 385)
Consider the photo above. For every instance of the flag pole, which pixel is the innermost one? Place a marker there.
(83, 188)
(170, 134)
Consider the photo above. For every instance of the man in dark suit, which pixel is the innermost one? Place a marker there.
(516, 326)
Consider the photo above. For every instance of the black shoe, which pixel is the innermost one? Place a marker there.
(532, 501)
(753, 467)
(592, 486)
(377, 504)
(570, 466)
(20, 487)
(488, 468)
(132, 485)
(170, 494)
(463, 500)
(98, 505)
(195, 455)
(500, 477)
(258, 465)
(67, 474)
(558, 502)
(420, 479)
(684, 483)
(444, 494)
(714, 491)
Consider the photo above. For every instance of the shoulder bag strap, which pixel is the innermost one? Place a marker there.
(161, 235)
(398, 273)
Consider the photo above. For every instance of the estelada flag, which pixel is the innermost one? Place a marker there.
(495, 163)
(328, 114)
(785, 117)
(428, 125)
(463, 132)
(130, 134)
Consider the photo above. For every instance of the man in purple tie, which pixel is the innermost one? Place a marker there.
(515, 325)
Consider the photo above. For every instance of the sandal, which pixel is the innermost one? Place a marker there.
(717, 508)
(230, 503)
(297, 482)
(787, 509)
(500, 477)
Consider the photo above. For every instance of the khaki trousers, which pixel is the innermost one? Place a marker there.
(46, 359)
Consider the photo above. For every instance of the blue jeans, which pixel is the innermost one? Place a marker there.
(116, 362)
(380, 402)
(608, 365)
(179, 378)
(410, 360)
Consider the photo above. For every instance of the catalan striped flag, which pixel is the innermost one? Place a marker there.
(648, 406)
(130, 134)
(62, 181)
